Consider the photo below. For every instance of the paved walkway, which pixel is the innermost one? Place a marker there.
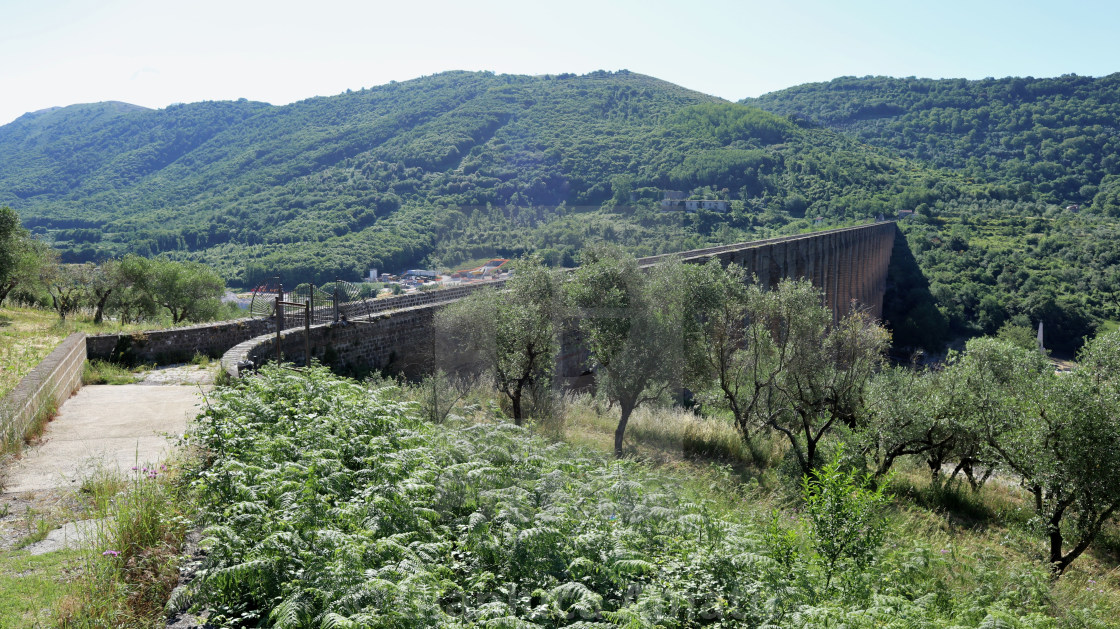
(101, 428)
(114, 427)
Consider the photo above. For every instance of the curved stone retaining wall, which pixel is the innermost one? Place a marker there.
(42, 390)
(177, 345)
(399, 341)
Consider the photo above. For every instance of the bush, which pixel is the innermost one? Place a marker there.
(845, 514)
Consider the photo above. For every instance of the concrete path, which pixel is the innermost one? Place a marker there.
(114, 427)
(102, 428)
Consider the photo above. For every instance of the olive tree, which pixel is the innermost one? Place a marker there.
(640, 326)
(29, 257)
(510, 333)
(909, 412)
(68, 287)
(781, 362)
(1060, 435)
(22, 258)
(189, 291)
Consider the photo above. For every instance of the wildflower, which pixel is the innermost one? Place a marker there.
(111, 553)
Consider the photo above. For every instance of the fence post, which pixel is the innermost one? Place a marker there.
(307, 333)
(279, 327)
(336, 300)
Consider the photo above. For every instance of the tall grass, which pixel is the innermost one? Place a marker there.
(102, 372)
(130, 563)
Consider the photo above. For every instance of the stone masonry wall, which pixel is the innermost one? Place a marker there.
(214, 339)
(400, 341)
(42, 390)
(849, 265)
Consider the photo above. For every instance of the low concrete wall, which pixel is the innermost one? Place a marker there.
(48, 385)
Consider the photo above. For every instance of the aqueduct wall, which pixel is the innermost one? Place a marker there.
(849, 265)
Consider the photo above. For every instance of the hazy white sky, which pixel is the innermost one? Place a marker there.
(154, 52)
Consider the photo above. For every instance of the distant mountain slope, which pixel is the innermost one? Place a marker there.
(466, 165)
(391, 175)
(1057, 139)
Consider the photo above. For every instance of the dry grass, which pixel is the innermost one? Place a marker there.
(26, 337)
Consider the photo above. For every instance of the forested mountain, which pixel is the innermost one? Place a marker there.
(1054, 139)
(461, 165)
(437, 170)
(1045, 245)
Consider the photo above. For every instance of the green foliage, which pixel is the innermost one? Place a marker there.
(190, 291)
(101, 372)
(511, 333)
(10, 232)
(328, 504)
(998, 407)
(845, 514)
(131, 552)
(640, 326)
(1040, 146)
(1059, 435)
(451, 167)
(789, 368)
(1048, 137)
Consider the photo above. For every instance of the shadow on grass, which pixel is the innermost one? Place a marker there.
(992, 506)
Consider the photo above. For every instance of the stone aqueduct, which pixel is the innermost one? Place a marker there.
(849, 264)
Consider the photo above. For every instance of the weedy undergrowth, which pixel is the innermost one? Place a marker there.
(130, 563)
(327, 504)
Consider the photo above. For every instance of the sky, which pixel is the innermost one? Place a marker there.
(154, 52)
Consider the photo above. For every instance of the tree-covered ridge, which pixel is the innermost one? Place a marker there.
(446, 167)
(1055, 139)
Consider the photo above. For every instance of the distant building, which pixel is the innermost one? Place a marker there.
(905, 214)
(421, 274)
(692, 205)
(1073, 208)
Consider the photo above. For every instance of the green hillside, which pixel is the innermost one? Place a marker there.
(436, 170)
(460, 166)
(1044, 244)
(1055, 139)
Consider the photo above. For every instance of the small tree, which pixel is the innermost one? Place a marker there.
(22, 258)
(511, 333)
(780, 362)
(131, 300)
(640, 326)
(104, 281)
(845, 513)
(909, 412)
(68, 285)
(1060, 434)
(190, 291)
(10, 233)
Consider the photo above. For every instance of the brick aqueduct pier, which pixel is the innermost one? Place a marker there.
(849, 264)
